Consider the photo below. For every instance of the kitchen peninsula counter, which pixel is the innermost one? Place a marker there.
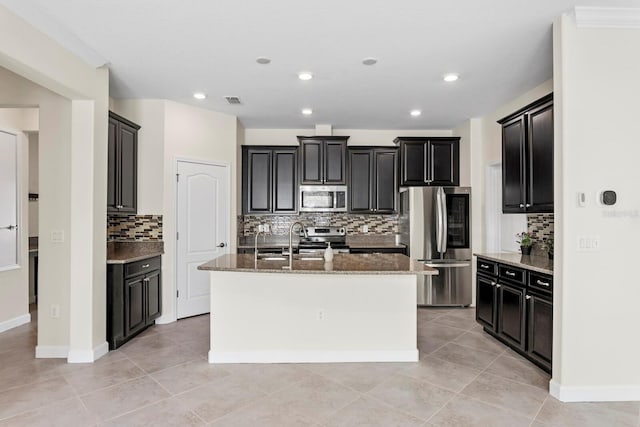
(342, 264)
(359, 308)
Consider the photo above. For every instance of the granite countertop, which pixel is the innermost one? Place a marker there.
(541, 264)
(123, 252)
(342, 264)
(353, 241)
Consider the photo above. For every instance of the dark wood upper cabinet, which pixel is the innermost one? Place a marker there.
(426, 161)
(269, 179)
(122, 175)
(323, 159)
(373, 185)
(527, 158)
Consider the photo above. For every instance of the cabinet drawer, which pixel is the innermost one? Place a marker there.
(141, 267)
(541, 282)
(512, 274)
(487, 267)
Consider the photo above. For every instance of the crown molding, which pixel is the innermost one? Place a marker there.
(607, 17)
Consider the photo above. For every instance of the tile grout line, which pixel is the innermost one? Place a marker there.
(539, 410)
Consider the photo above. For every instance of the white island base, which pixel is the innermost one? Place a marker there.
(299, 317)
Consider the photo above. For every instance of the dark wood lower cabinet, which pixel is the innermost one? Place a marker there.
(134, 299)
(486, 301)
(512, 319)
(540, 333)
(517, 312)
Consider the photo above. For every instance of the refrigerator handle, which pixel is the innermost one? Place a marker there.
(445, 225)
(440, 224)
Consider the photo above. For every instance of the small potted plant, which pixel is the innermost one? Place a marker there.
(526, 242)
(548, 244)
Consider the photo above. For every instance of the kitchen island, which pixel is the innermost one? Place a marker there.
(358, 308)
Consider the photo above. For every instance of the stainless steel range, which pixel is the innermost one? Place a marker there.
(316, 240)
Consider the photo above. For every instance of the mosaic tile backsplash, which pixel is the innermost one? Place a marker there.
(145, 228)
(378, 224)
(541, 226)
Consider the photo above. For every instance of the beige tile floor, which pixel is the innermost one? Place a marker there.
(162, 378)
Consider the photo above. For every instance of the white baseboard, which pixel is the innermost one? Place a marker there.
(611, 393)
(15, 322)
(88, 356)
(52, 351)
(312, 356)
(163, 320)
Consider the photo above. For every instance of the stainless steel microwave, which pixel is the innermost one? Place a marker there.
(323, 198)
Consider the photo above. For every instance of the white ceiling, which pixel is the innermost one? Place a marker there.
(172, 48)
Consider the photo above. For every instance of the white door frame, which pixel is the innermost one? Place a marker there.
(177, 160)
(20, 137)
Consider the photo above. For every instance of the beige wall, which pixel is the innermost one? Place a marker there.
(149, 114)
(356, 136)
(596, 315)
(171, 131)
(73, 100)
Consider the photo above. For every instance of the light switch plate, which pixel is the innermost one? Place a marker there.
(57, 236)
(588, 243)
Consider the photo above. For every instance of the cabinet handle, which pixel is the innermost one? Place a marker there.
(528, 297)
(145, 266)
(119, 207)
(485, 266)
(540, 282)
(509, 273)
(498, 285)
(522, 205)
(528, 205)
(221, 245)
(9, 227)
(493, 283)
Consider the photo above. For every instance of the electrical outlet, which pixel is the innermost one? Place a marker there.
(55, 311)
(321, 314)
(365, 228)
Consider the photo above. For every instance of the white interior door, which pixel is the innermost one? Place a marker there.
(8, 200)
(203, 231)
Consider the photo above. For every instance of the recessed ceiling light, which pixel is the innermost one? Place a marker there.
(451, 77)
(199, 95)
(415, 113)
(263, 60)
(307, 111)
(305, 75)
(369, 61)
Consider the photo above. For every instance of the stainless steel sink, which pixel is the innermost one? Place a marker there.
(297, 257)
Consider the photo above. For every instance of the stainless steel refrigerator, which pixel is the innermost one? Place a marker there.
(440, 236)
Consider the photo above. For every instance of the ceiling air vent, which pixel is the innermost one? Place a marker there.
(233, 100)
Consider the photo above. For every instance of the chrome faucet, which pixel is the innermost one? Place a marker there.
(255, 246)
(304, 230)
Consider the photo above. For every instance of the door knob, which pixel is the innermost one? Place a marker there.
(9, 227)
(221, 245)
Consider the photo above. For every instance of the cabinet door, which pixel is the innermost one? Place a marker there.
(134, 305)
(511, 315)
(311, 161)
(360, 181)
(257, 180)
(128, 145)
(154, 296)
(513, 170)
(444, 160)
(112, 168)
(540, 334)
(335, 162)
(386, 184)
(413, 156)
(540, 158)
(284, 181)
(486, 302)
